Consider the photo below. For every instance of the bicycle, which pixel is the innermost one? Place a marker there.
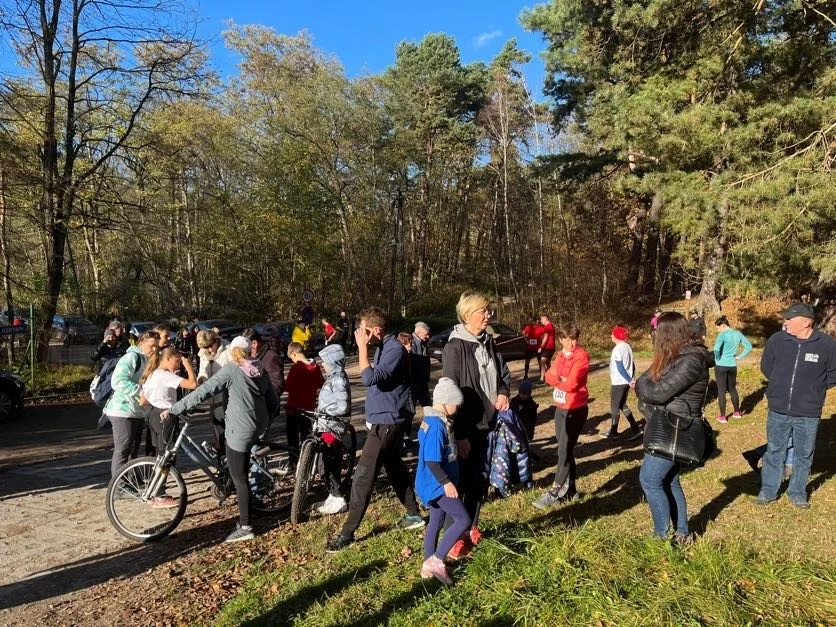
(133, 494)
(311, 461)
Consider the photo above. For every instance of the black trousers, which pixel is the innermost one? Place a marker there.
(568, 424)
(162, 432)
(618, 404)
(529, 355)
(727, 382)
(238, 463)
(473, 484)
(298, 428)
(381, 450)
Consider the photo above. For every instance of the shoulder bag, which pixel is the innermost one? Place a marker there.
(688, 440)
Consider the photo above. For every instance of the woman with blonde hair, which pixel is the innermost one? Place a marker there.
(252, 400)
(472, 361)
(213, 353)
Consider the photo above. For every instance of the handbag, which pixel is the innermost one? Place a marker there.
(688, 440)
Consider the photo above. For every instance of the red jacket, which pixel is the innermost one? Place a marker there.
(302, 384)
(568, 374)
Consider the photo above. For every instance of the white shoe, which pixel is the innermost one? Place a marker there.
(333, 505)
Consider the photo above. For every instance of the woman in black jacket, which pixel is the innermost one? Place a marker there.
(676, 380)
(471, 360)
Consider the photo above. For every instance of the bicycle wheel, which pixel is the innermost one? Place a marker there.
(271, 479)
(142, 519)
(304, 475)
(348, 458)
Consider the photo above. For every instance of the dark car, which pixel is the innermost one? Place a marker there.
(510, 343)
(282, 333)
(227, 328)
(74, 330)
(138, 328)
(12, 388)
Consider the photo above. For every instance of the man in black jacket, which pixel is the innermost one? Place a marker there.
(800, 364)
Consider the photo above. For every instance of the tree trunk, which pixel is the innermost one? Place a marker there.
(6, 260)
(715, 259)
(651, 251)
(636, 225)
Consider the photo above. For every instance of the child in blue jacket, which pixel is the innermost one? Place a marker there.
(436, 476)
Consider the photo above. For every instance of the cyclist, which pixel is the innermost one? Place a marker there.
(334, 402)
(252, 400)
(302, 384)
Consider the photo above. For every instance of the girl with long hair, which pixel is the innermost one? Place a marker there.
(676, 381)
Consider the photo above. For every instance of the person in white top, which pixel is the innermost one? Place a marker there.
(160, 383)
(622, 371)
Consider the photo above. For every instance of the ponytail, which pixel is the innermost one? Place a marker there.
(153, 363)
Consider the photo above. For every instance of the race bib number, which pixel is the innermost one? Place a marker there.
(559, 396)
(533, 342)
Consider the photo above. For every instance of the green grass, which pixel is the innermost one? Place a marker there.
(60, 379)
(591, 562)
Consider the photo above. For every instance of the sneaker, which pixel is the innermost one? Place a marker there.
(612, 433)
(460, 549)
(800, 504)
(634, 433)
(684, 539)
(475, 536)
(240, 533)
(737, 414)
(434, 567)
(164, 502)
(333, 505)
(764, 500)
(411, 522)
(752, 458)
(548, 499)
(722, 419)
(338, 543)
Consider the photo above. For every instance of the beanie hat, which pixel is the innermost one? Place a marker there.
(620, 333)
(242, 343)
(447, 393)
(525, 386)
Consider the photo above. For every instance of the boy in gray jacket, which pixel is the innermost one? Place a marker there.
(334, 402)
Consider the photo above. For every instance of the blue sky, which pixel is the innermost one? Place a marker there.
(363, 34)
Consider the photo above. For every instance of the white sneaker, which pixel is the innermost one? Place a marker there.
(333, 505)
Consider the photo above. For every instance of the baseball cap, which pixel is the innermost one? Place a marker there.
(803, 310)
(242, 343)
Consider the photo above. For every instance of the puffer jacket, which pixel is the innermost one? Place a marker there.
(681, 386)
(508, 453)
(124, 402)
(335, 395)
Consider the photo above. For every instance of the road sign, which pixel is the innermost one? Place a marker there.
(11, 330)
(307, 296)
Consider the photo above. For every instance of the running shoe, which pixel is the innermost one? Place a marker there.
(240, 533)
(434, 567)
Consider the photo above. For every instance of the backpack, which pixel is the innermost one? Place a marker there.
(100, 388)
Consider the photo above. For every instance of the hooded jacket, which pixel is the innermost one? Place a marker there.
(210, 365)
(335, 395)
(573, 369)
(252, 400)
(681, 386)
(799, 371)
(475, 365)
(273, 364)
(124, 402)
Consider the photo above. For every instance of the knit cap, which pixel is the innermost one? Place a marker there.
(620, 333)
(447, 393)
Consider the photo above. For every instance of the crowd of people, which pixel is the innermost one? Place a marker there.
(470, 421)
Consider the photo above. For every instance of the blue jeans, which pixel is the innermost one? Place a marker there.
(659, 478)
(761, 451)
(780, 428)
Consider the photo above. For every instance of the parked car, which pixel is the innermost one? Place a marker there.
(510, 343)
(138, 328)
(12, 388)
(227, 328)
(74, 330)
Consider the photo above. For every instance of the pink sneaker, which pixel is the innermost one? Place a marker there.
(164, 502)
(434, 567)
(722, 419)
(737, 414)
(475, 536)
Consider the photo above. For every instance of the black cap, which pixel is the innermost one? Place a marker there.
(800, 309)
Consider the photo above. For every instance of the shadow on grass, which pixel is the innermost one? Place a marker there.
(399, 603)
(287, 609)
(751, 400)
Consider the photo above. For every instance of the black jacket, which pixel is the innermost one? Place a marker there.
(799, 371)
(681, 386)
(459, 364)
(273, 365)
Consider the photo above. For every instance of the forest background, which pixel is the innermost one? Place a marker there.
(682, 146)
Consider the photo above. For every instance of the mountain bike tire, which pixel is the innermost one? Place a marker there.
(278, 462)
(304, 474)
(138, 519)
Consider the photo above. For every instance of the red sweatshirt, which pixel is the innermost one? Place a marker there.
(568, 376)
(302, 385)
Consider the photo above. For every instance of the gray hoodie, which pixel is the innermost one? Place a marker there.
(335, 395)
(252, 400)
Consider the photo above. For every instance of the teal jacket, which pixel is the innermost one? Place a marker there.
(726, 345)
(124, 402)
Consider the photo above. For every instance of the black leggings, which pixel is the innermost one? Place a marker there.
(239, 466)
(568, 424)
(727, 381)
(618, 404)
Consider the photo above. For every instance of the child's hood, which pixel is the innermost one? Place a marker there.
(333, 356)
(251, 367)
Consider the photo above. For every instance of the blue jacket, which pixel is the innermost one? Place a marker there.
(388, 400)
(434, 445)
(799, 371)
(509, 459)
